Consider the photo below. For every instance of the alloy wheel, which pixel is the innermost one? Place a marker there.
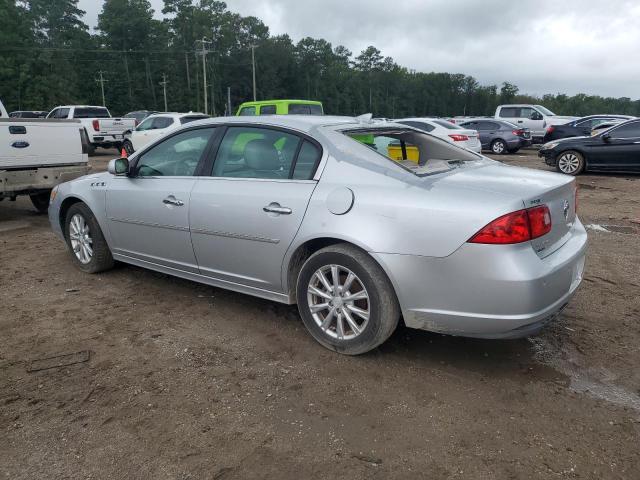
(569, 163)
(81, 241)
(498, 147)
(339, 302)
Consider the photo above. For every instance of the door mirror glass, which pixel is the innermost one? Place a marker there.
(118, 166)
(606, 138)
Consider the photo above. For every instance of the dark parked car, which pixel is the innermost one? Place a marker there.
(581, 127)
(139, 115)
(614, 150)
(28, 114)
(500, 136)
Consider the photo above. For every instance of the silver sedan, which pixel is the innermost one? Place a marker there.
(359, 223)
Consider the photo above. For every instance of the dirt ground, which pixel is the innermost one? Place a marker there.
(186, 381)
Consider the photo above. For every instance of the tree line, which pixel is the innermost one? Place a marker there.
(49, 56)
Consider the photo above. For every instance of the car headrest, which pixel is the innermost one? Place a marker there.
(261, 155)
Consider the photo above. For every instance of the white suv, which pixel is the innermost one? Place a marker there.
(155, 126)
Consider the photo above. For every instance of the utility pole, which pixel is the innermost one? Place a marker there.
(101, 81)
(228, 101)
(164, 88)
(253, 68)
(204, 52)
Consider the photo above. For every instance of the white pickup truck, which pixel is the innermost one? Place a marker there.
(534, 117)
(102, 129)
(37, 154)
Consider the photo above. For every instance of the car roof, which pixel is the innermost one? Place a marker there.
(175, 114)
(304, 123)
(282, 101)
(79, 106)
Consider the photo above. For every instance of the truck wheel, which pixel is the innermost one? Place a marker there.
(346, 300)
(91, 150)
(89, 249)
(498, 146)
(570, 163)
(41, 201)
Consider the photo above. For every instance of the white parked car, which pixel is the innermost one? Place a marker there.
(446, 130)
(102, 129)
(534, 117)
(156, 126)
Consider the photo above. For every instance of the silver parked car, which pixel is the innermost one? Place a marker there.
(313, 211)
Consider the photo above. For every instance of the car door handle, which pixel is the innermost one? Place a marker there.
(276, 208)
(171, 200)
(20, 144)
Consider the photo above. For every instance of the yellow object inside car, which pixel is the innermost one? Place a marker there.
(395, 153)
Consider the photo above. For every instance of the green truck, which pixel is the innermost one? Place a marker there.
(280, 107)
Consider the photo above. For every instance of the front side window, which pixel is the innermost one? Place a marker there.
(630, 130)
(177, 156)
(268, 110)
(247, 111)
(526, 112)
(250, 152)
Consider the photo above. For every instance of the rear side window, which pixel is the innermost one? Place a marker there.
(268, 110)
(302, 109)
(161, 122)
(447, 125)
(488, 126)
(508, 112)
(247, 111)
(307, 161)
(84, 112)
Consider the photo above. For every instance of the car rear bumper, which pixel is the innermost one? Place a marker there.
(487, 291)
(518, 143)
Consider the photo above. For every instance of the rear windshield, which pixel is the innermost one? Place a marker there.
(415, 151)
(192, 118)
(446, 124)
(304, 109)
(91, 112)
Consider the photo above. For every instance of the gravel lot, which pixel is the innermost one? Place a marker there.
(186, 381)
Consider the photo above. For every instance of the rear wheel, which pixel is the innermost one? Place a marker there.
(570, 162)
(89, 249)
(498, 146)
(41, 201)
(346, 300)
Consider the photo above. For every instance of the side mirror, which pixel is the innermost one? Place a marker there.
(118, 166)
(606, 138)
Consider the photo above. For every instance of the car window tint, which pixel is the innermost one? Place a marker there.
(307, 161)
(247, 111)
(425, 127)
(304, 109)
(162, 122)
(525, 112)
(89, 112)
(485, 126)
(446, 124)
(630, 130)
(508, 112)
(268, 110)
(146, 125)
(177, 156)
(249, 152)
(62, 113)
(192, 118)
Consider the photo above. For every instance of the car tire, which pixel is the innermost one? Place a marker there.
(91, 150)
(570, 162)
(370, 311)
(498, 147)
(41, 201)
(81, 229)
(128, 147)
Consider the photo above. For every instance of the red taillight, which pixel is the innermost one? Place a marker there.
(96, 125)
(458, 138)
(540, 221)
(516, 227)
(518, 132)
(550, 129)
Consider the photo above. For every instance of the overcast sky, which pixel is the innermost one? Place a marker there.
(543, 46)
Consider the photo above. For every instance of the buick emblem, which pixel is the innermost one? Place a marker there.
(565, 208)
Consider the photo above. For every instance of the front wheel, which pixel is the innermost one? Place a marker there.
(498, 147)
(570, 163)
(40, 201)
(89, 249)
(346, 300)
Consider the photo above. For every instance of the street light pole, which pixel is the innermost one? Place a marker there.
(253, 68)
